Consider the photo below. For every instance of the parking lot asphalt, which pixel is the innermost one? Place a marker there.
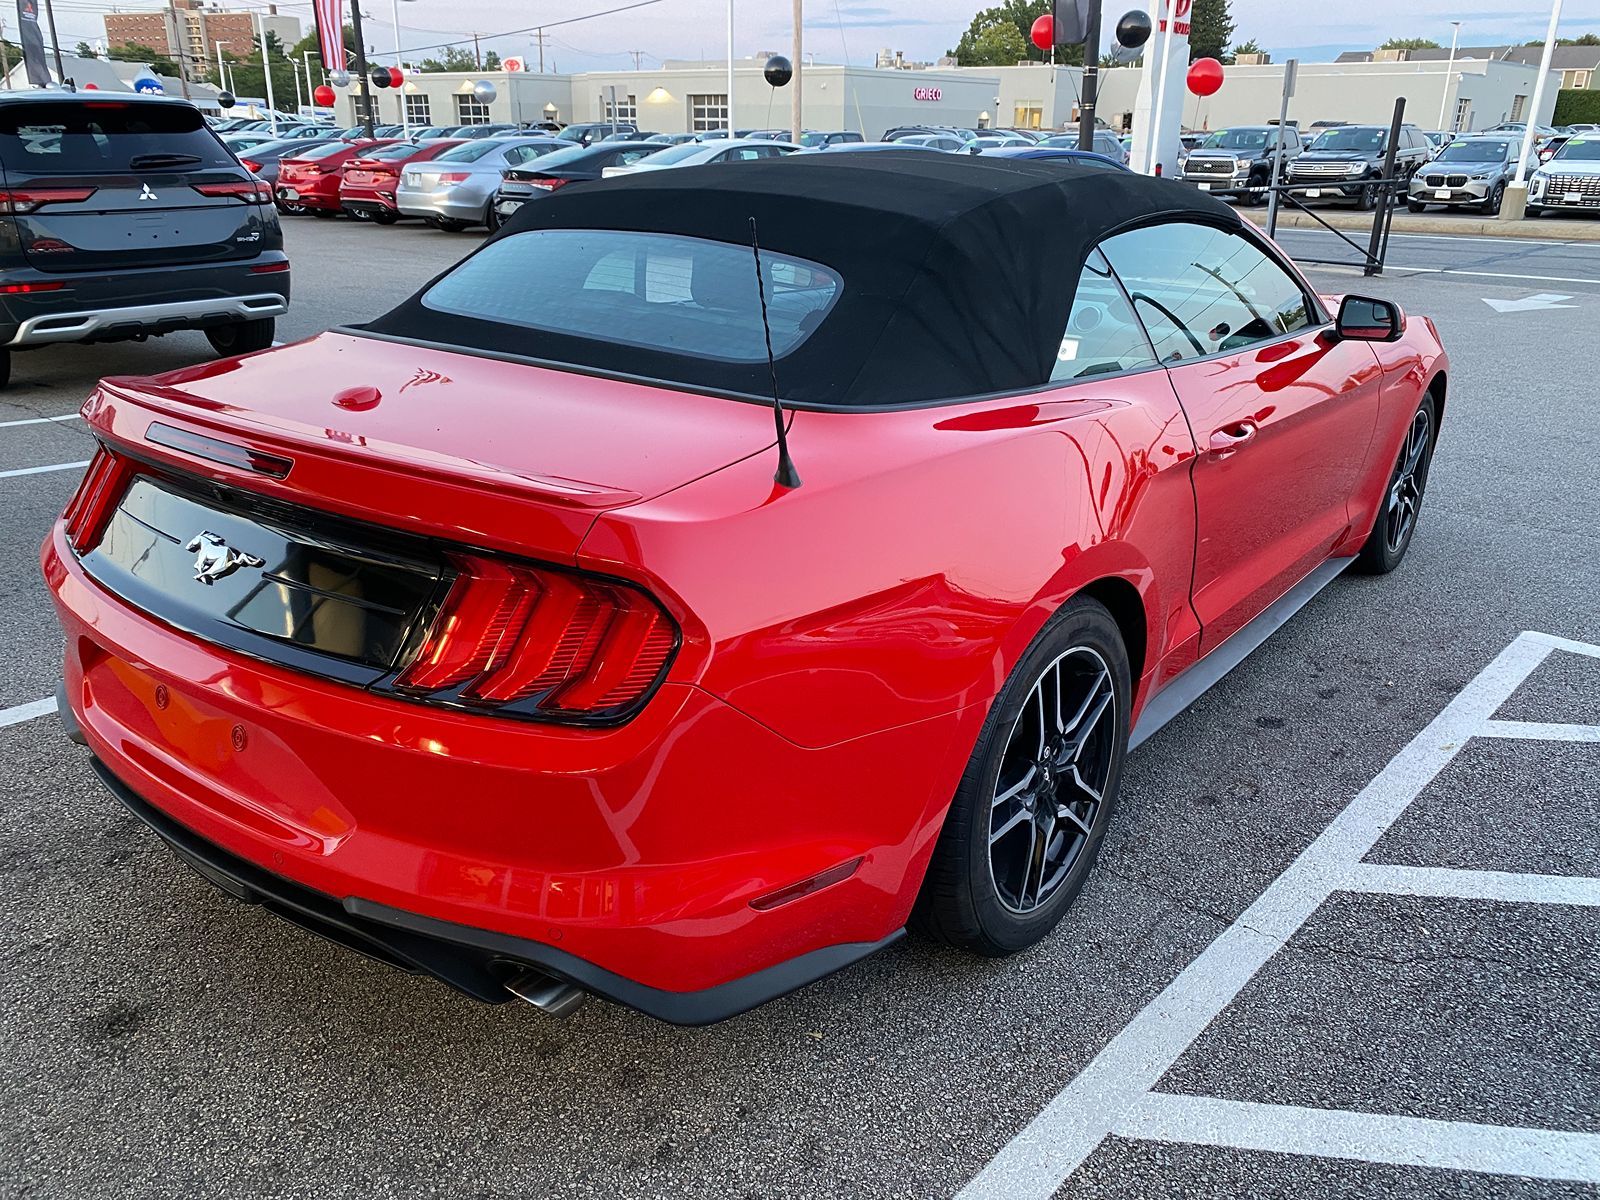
(164, 1041)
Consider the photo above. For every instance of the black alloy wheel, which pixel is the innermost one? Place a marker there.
(1034, 802)
(1496, 198)
(1391, 534)
(1367, 198)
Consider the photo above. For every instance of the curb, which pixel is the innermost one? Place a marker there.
(1564, 230)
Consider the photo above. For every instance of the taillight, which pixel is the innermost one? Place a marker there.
(253, 191)
(39, 285)
(549, 185)
(27, 200)
(539, 642)
(453, 177)
(90, 507)
(250, 164)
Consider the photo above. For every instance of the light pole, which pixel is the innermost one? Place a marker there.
(1449, 74)
(1516, 200)
(730, 68)
(794, 99)
(400, 92)
(266, 70)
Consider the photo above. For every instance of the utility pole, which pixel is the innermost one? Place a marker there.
(638, 59)
(364, 85)
(794, 100)
(538, 36)
(477, 57)
(1091, 76)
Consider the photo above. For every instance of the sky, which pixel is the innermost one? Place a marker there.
(854, 30)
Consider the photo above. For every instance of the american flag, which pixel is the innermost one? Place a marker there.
(330, 32)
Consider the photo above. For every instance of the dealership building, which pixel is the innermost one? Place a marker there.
(693, 96)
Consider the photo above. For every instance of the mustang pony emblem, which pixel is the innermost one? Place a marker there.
(215, 559)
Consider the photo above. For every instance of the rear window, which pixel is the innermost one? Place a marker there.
(96, 136)
(659, 291)
(468, 151)
(394, 153)
(327, 150)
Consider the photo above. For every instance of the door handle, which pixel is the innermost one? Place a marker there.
(1232, 437)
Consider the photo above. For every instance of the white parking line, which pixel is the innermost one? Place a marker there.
(41, 420)
(27, 712)
(1449, 883)
(43, 470)
(1116, 1091)
(1370, 1137)
(1540, 731)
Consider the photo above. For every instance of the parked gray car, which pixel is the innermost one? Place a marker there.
(1471, 172)
(1569, 181)
(457, 189)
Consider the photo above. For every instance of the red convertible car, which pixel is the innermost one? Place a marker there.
(497, 638)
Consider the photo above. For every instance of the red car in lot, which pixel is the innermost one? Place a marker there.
(367, 182)
(492, 638)
(309, 182)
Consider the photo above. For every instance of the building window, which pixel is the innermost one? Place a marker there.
(355, 108)
(1516, 107)
(626, 110)
(417, 111)
(1581, 79)
(471, 111)
(707, 112)
(1028, 115)
(1463, 116)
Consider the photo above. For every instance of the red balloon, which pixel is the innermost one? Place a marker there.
(1205, 76)
(1043, 32)
(91, 87)
(396, 77)
(323, 96)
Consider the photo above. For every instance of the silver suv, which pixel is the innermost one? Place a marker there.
(1471, 172)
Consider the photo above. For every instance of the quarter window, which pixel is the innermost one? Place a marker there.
(1203, 291)
(1103, 336)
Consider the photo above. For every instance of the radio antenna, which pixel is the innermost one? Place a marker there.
(785, 476)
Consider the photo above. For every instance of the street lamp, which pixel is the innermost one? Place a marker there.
(1516, 202)
(1449, 74)
(394, 7)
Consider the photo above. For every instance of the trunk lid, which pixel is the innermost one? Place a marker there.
(506, 455)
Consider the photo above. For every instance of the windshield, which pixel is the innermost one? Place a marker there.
(1579, 150)
(1475, 152)
(659, 291)
(1366, 140)
(89, 137)
(1235, 139)
(469, 151)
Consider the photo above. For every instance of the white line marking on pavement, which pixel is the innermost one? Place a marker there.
(42, 470)
(27, 712)
(1539, 303)
(1124, 1073)
(1368, 1137)
(41, 420)
(1540, 731)
(1394, 266)
(1448, 883)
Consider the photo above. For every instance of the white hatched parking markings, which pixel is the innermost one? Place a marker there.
(1115, 1093)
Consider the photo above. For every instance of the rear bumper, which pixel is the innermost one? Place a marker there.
(440, 204)
(108, 305)
(306, 196)
(629, 860)
(109, 324)
(475, 962)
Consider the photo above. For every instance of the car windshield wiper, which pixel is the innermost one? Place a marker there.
(148, 162)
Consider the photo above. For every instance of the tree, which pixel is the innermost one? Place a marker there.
(1210, 29)
(1411, 43)
(454, 58)
(134, 52)
(1250, 47)
(84, 50)
(1020, 15)
(1588, 39)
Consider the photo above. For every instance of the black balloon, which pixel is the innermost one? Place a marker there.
(380, 77)
(779, 70)
(225, 100)
(1134, 29)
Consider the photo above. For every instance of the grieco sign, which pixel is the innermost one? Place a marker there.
(926, 93)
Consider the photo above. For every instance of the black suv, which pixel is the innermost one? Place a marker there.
(1231, 162)
(1346, 161)
(124, 217)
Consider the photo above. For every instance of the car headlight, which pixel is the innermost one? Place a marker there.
(1356, 169)
(1540, 178)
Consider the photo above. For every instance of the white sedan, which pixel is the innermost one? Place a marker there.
(694, 154)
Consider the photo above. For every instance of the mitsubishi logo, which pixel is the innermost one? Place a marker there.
(214, 558)
(147, 194)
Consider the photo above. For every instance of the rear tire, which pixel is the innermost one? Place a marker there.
(1033, 804)
(385, 218)
(1401, 506)
(5, 368)
(242, 337)
(491, 219)
(447, 224)
(327, 214)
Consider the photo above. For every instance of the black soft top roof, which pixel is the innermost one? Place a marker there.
(958, 271)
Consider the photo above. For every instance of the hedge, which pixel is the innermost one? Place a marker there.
(1577, 104)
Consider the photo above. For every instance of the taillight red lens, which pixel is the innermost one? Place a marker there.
(90, 508)
(537, 641)
(253, 190)
(250, 164)
(27, 200)
(453, 177)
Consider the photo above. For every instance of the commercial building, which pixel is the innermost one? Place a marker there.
(195, 30)
(1579, 65)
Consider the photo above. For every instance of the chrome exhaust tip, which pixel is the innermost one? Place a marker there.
(553, 997)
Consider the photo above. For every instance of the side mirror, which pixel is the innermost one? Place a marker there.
(1363, 319)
